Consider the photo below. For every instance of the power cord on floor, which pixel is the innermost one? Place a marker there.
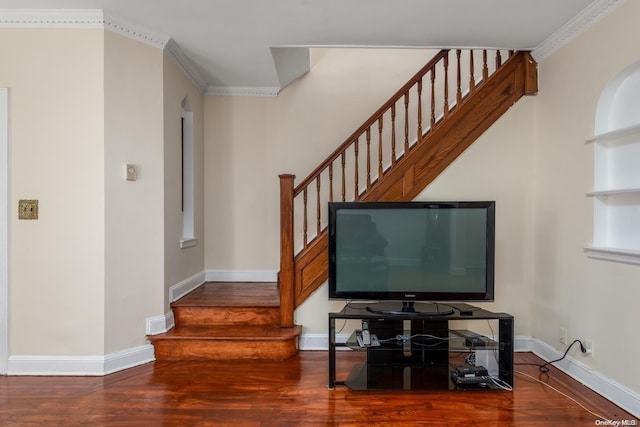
(543, 368)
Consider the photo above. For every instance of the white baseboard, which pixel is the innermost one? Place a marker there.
(179, 290)
(609, 388)
(160, 324)
(617, 393)
(126, 359)
(242, 276)
(81, 365)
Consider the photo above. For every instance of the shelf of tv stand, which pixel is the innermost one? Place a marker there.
(427, 367)
(456, 343)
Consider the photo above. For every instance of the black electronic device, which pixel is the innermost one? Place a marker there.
(470, 375)
(464, 309)
(476, 341)
(470, 371)
(471, 380)
(406, 252)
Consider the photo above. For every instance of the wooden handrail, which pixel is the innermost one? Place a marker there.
(371, 121)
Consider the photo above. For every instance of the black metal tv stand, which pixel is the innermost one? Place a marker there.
(416, 349)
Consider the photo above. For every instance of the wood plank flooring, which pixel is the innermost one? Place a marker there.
(290, 393)
(232, 294)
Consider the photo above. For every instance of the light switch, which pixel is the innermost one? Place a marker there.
(132, 172)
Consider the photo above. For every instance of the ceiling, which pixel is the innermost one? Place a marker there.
(263, 44)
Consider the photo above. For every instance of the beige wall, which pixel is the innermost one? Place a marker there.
(92, 269)
(250, 141)
(474, 176)
(133, 88)
(591, 298)
(181, 264)
(57, 284)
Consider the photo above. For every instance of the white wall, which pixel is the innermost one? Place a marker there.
(57, 156)
(593, 299)
(134, 246)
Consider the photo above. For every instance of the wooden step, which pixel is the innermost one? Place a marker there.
(229, 303)
(227, 343)
(224, 321)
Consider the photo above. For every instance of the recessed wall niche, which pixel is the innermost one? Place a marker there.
(616, 187)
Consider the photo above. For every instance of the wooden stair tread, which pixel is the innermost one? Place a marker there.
(232, 294)
(245, 333)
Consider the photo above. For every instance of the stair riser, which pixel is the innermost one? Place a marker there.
(207, 349)
(217, 316)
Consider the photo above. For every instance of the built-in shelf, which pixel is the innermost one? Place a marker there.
(617, 196)
(613, 192)
(613, 254)
(618, 135)
(616, 177)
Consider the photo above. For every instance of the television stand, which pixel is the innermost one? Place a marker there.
(410, 308)
(420, 351)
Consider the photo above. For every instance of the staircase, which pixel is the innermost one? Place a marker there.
(393, 156)
(225, 321)
(396, 153)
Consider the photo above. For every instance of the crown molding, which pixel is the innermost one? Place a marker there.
(256, 91)
(133, 31)
(48, 18)
(182, 61)
(580, 23)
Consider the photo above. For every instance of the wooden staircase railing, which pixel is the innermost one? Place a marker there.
(396, 153)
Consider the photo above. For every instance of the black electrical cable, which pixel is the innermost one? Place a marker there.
(543, 368)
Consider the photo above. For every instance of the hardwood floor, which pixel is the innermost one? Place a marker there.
(293, 392)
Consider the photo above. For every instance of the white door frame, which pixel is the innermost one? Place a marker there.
(4, 230)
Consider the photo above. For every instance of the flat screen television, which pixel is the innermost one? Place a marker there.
(408, 252)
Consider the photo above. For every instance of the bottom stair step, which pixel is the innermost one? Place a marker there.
(227, 342)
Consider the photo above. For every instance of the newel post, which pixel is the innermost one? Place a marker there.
(286, 275)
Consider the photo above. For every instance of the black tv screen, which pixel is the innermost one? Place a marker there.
(412, 251)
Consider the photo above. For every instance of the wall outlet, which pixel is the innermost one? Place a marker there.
(588, 345)
(27, 209)
(562, 334)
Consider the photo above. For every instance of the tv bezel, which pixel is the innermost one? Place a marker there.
(413, 295)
